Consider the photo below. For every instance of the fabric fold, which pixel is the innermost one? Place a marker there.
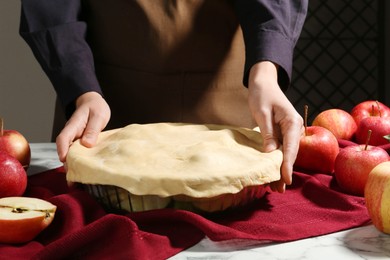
(312, 206)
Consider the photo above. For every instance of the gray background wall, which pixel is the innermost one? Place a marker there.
(26, 95)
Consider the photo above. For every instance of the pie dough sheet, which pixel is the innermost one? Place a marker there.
(167, 159)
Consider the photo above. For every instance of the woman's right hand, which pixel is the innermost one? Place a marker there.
(276, 117)
(88, 120)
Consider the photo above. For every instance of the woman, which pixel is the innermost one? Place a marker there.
(113, 63)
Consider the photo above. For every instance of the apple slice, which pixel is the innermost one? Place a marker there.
(23, 218)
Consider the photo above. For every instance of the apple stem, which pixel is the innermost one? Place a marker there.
(306, 109)
(379, 108)
(368, 139)
(1, 126)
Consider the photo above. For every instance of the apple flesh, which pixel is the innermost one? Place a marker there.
(380, 127)
(338, 121)
(377, 196)
(353, 165)
(317, 151)
(23, 218)
(13, 177)
(15, 144)
(369, 108)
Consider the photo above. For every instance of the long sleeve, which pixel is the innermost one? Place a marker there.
(56, 35)
(271, 29)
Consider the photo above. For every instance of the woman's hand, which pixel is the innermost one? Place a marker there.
(88, 120)
(276, 117)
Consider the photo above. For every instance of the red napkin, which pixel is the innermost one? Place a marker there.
(312, 206)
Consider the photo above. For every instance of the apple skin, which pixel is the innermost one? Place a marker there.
(13, 177)
(380, 126)
(317, 151)
(369, 108)
(23, 218)
(338, 121)
(377, 196)
(353, 165)
(15, 144)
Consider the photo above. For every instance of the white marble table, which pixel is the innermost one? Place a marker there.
(358, 243)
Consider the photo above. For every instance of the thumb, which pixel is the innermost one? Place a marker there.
(91, 132)
(270, 137)
(270, 142)
(89, 137)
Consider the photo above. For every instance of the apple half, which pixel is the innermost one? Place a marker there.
(23, 218)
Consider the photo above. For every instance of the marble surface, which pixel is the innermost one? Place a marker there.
(43, 157)
(358, 243)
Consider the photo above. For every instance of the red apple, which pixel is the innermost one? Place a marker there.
(318, 149)
(23, 218)
(354, 163)
(369, 108)
(338, 121)
(377, 196)
(15, 144)
(380, 126)
(13, 177)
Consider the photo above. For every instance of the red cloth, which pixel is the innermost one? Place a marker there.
(312, 206)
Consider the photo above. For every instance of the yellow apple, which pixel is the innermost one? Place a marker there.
(377, 196)
(23, 218)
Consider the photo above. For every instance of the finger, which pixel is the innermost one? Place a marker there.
(278, 186)
(62, 150)
(270, 141)
(72, 130)
(286, 172)
(290, 151)
(63, 141)
(94, 126)
(267, 131)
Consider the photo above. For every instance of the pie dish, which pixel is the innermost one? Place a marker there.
(151, 166)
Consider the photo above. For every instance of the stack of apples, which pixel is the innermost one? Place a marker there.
(15, 156)
(359, 164)
(21, 218)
